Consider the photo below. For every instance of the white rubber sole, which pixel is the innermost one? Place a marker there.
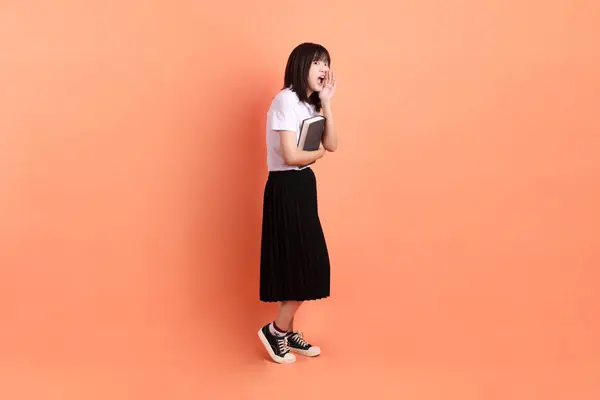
(288, 359)
(312, 352)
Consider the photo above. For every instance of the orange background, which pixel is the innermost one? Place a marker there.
(461, 210)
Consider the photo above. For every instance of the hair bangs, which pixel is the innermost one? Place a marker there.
(321, 54)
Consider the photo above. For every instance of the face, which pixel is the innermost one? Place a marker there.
(316, 75)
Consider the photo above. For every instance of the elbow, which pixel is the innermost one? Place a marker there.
(330, 143)
(288, 159)
(330, 147)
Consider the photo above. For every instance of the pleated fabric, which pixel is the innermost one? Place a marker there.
(294, 261)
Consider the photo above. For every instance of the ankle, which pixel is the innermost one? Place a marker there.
(276, 330)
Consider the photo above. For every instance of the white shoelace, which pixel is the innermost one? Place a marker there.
(299, 339)
(283, 345)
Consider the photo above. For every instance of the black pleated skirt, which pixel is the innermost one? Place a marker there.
(294, 261)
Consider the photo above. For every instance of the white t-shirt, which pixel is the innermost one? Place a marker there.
(285, 114)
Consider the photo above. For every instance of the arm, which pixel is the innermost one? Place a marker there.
(292, 155)
(330, 137)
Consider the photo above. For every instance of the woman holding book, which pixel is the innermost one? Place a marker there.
(294, 264)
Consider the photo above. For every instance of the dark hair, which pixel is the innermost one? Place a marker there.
(298, 65)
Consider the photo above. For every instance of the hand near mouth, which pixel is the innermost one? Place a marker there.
(328, 87)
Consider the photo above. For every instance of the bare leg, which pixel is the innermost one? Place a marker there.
(273, 337)
(285, 317)
(298, 344)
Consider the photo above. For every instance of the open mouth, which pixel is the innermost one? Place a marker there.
(321, 80)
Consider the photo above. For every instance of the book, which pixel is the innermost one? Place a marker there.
(311, 133)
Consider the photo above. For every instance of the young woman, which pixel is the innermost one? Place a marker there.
(294, 265)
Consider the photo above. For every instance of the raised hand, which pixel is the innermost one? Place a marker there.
(328, 87)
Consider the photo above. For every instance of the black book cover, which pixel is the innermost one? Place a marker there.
(311, 133)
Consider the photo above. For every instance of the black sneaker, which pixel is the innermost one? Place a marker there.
(297, 344)
(276, 346)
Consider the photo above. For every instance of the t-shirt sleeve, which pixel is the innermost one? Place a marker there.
(281, 116)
